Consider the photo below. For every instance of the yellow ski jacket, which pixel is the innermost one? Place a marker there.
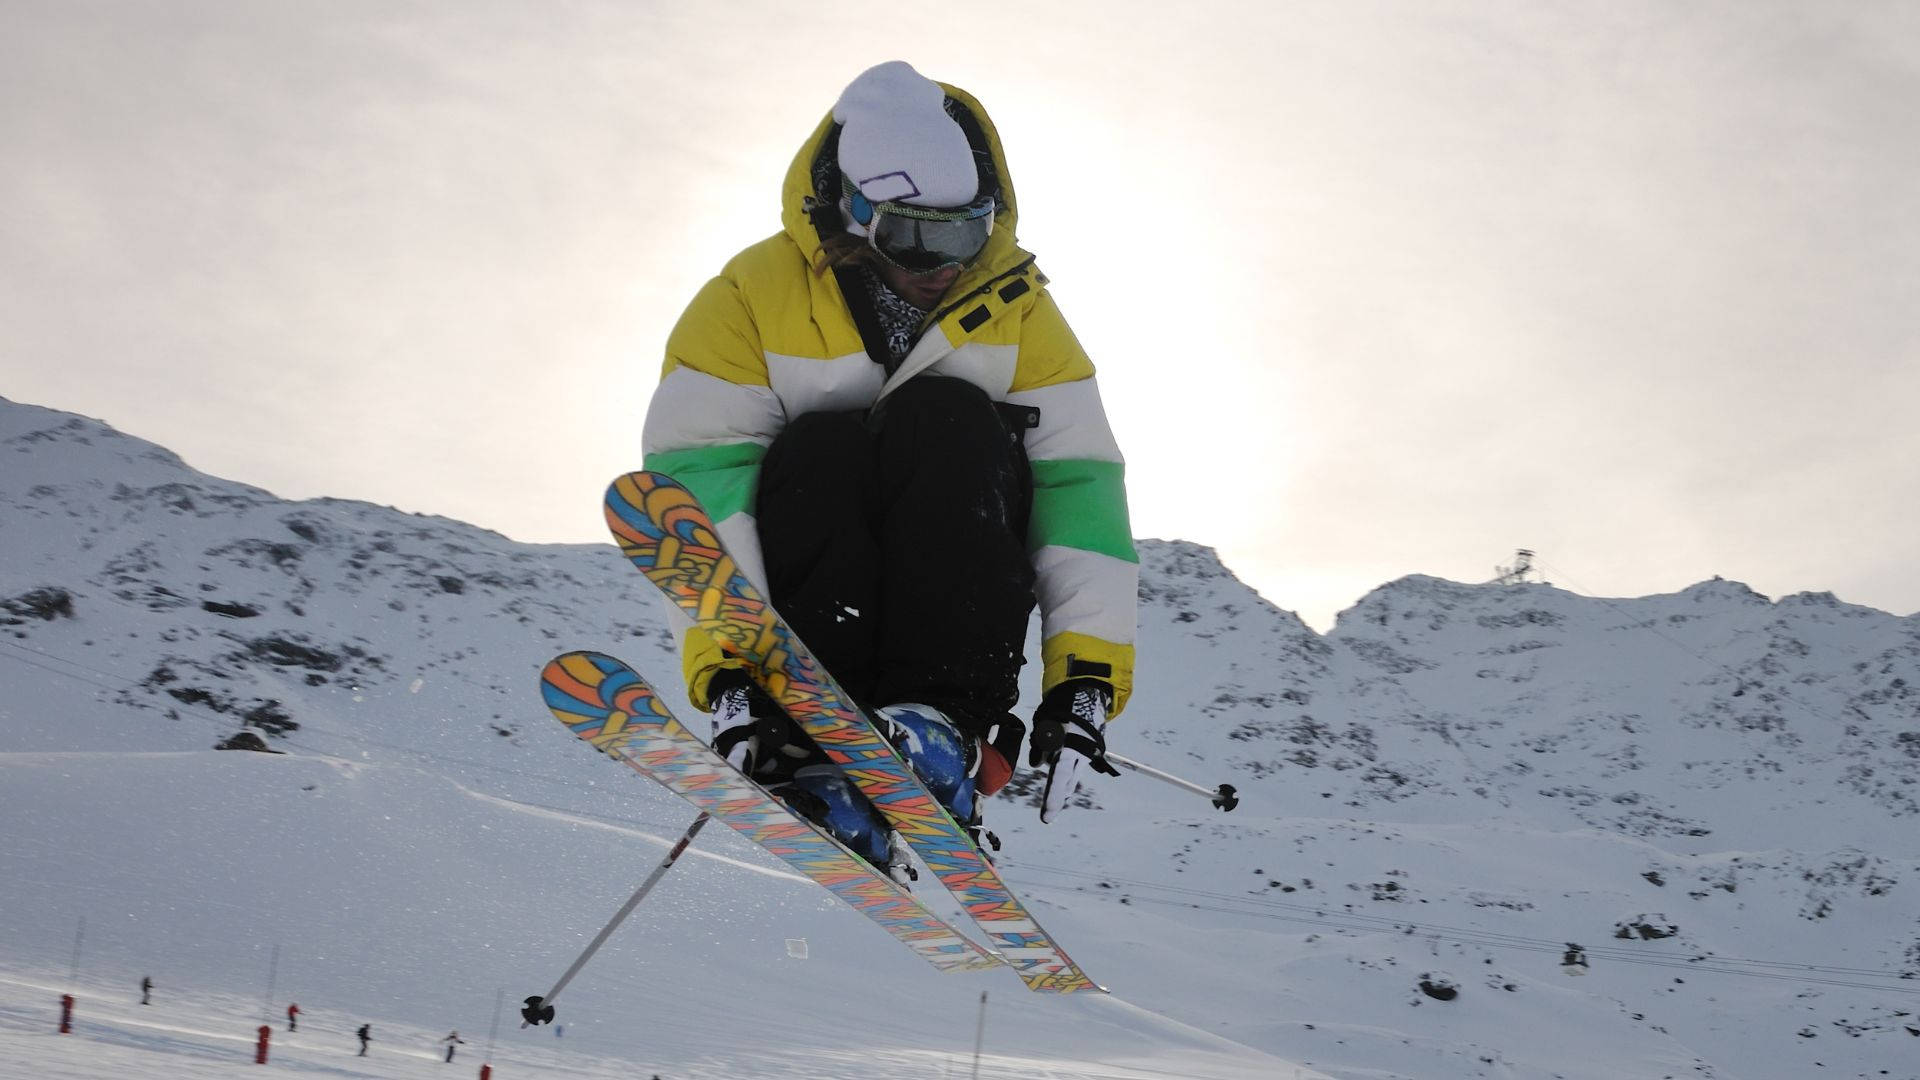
(770, 339)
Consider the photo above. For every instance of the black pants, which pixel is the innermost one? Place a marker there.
(895, 546)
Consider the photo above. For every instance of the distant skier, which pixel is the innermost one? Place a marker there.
(452, 1041)
(1574, 961)
(293, 1017)
(366, 1036)
(146, 990)
(899, 437)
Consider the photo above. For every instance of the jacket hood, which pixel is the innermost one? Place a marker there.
(812, 185)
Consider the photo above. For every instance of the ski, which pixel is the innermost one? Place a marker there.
(608, 705)
(662, 530)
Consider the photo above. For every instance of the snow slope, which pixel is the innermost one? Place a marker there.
(1444, 790)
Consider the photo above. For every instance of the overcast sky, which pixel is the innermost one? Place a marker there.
(1374, 288)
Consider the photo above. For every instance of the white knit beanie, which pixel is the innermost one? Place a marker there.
(897, 143)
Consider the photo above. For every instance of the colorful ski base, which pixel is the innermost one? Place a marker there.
(606, 703)
(664, 532)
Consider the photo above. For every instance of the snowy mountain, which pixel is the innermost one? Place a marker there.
(1714, 794)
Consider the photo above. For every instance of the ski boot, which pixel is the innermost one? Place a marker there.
(821, 793)
(946, 760)
(757, 737)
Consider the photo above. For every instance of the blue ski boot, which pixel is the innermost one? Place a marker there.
(821, 793)
(942, 757)
(757, 737)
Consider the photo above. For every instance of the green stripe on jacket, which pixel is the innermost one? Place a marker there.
(1081, 504)
(724, 478)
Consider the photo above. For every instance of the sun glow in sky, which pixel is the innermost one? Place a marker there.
(1375, 288)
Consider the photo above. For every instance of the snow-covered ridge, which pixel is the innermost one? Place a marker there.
(1453, 782)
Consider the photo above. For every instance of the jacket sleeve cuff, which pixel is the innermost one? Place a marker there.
(1069, 655)
(701, 658)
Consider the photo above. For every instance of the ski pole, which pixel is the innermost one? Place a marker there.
(1225, 796)
(539, 1010)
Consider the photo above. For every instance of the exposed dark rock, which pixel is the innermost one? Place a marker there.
(47, 603)
(231, 611)
(248, 552)
(269, 717)
(1529, 617)
(290, 651)
(193, 695)
(1645, 928)
(246, 740)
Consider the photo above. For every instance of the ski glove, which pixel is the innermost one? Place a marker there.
(1067, 740)
(733, 726)
(745, 736)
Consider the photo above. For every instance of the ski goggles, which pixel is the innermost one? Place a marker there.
(922, 239)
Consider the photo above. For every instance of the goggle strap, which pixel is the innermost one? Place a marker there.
(864, 209)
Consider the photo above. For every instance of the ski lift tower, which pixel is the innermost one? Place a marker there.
(1520, 573)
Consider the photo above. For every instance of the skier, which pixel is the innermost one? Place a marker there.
(146, 989)
(452, 1041)
(1574, 961)
(366, 1036)
(293, 1017)
(902, 442)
